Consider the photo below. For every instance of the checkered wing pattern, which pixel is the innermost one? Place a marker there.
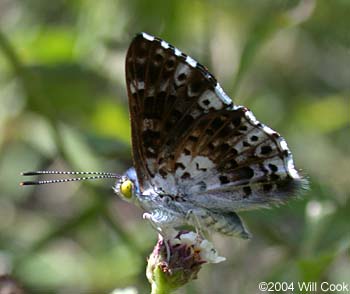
(190, 141)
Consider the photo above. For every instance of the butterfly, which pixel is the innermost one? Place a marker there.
(198, 157)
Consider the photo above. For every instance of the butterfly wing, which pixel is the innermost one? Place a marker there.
(191, 141)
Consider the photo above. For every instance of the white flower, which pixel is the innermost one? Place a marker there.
(202, 246)
(209, 253)
(189, 238)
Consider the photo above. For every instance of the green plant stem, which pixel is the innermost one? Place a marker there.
(160, 284)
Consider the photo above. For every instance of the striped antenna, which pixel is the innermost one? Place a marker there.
(91, 176)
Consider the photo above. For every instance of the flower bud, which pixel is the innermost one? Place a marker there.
(177, 260)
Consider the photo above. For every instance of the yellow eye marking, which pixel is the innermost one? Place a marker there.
(126, 188)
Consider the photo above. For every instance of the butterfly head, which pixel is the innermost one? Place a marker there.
(125, 189)
(127, 186)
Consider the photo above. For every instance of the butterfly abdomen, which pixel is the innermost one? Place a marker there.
(226, 223)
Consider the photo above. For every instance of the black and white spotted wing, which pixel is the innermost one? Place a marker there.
(190, 141)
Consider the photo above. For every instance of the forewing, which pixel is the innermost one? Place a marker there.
(168, 92)
(190, 141)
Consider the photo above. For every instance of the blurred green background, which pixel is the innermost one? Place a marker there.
(63, 105)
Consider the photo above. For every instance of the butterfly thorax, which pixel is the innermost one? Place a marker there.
(173, 207)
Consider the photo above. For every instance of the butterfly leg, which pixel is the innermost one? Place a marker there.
(163, 221)
(161, 233)
(149, 217)
(193, 217)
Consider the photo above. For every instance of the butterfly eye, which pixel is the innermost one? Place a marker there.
(126, 189)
